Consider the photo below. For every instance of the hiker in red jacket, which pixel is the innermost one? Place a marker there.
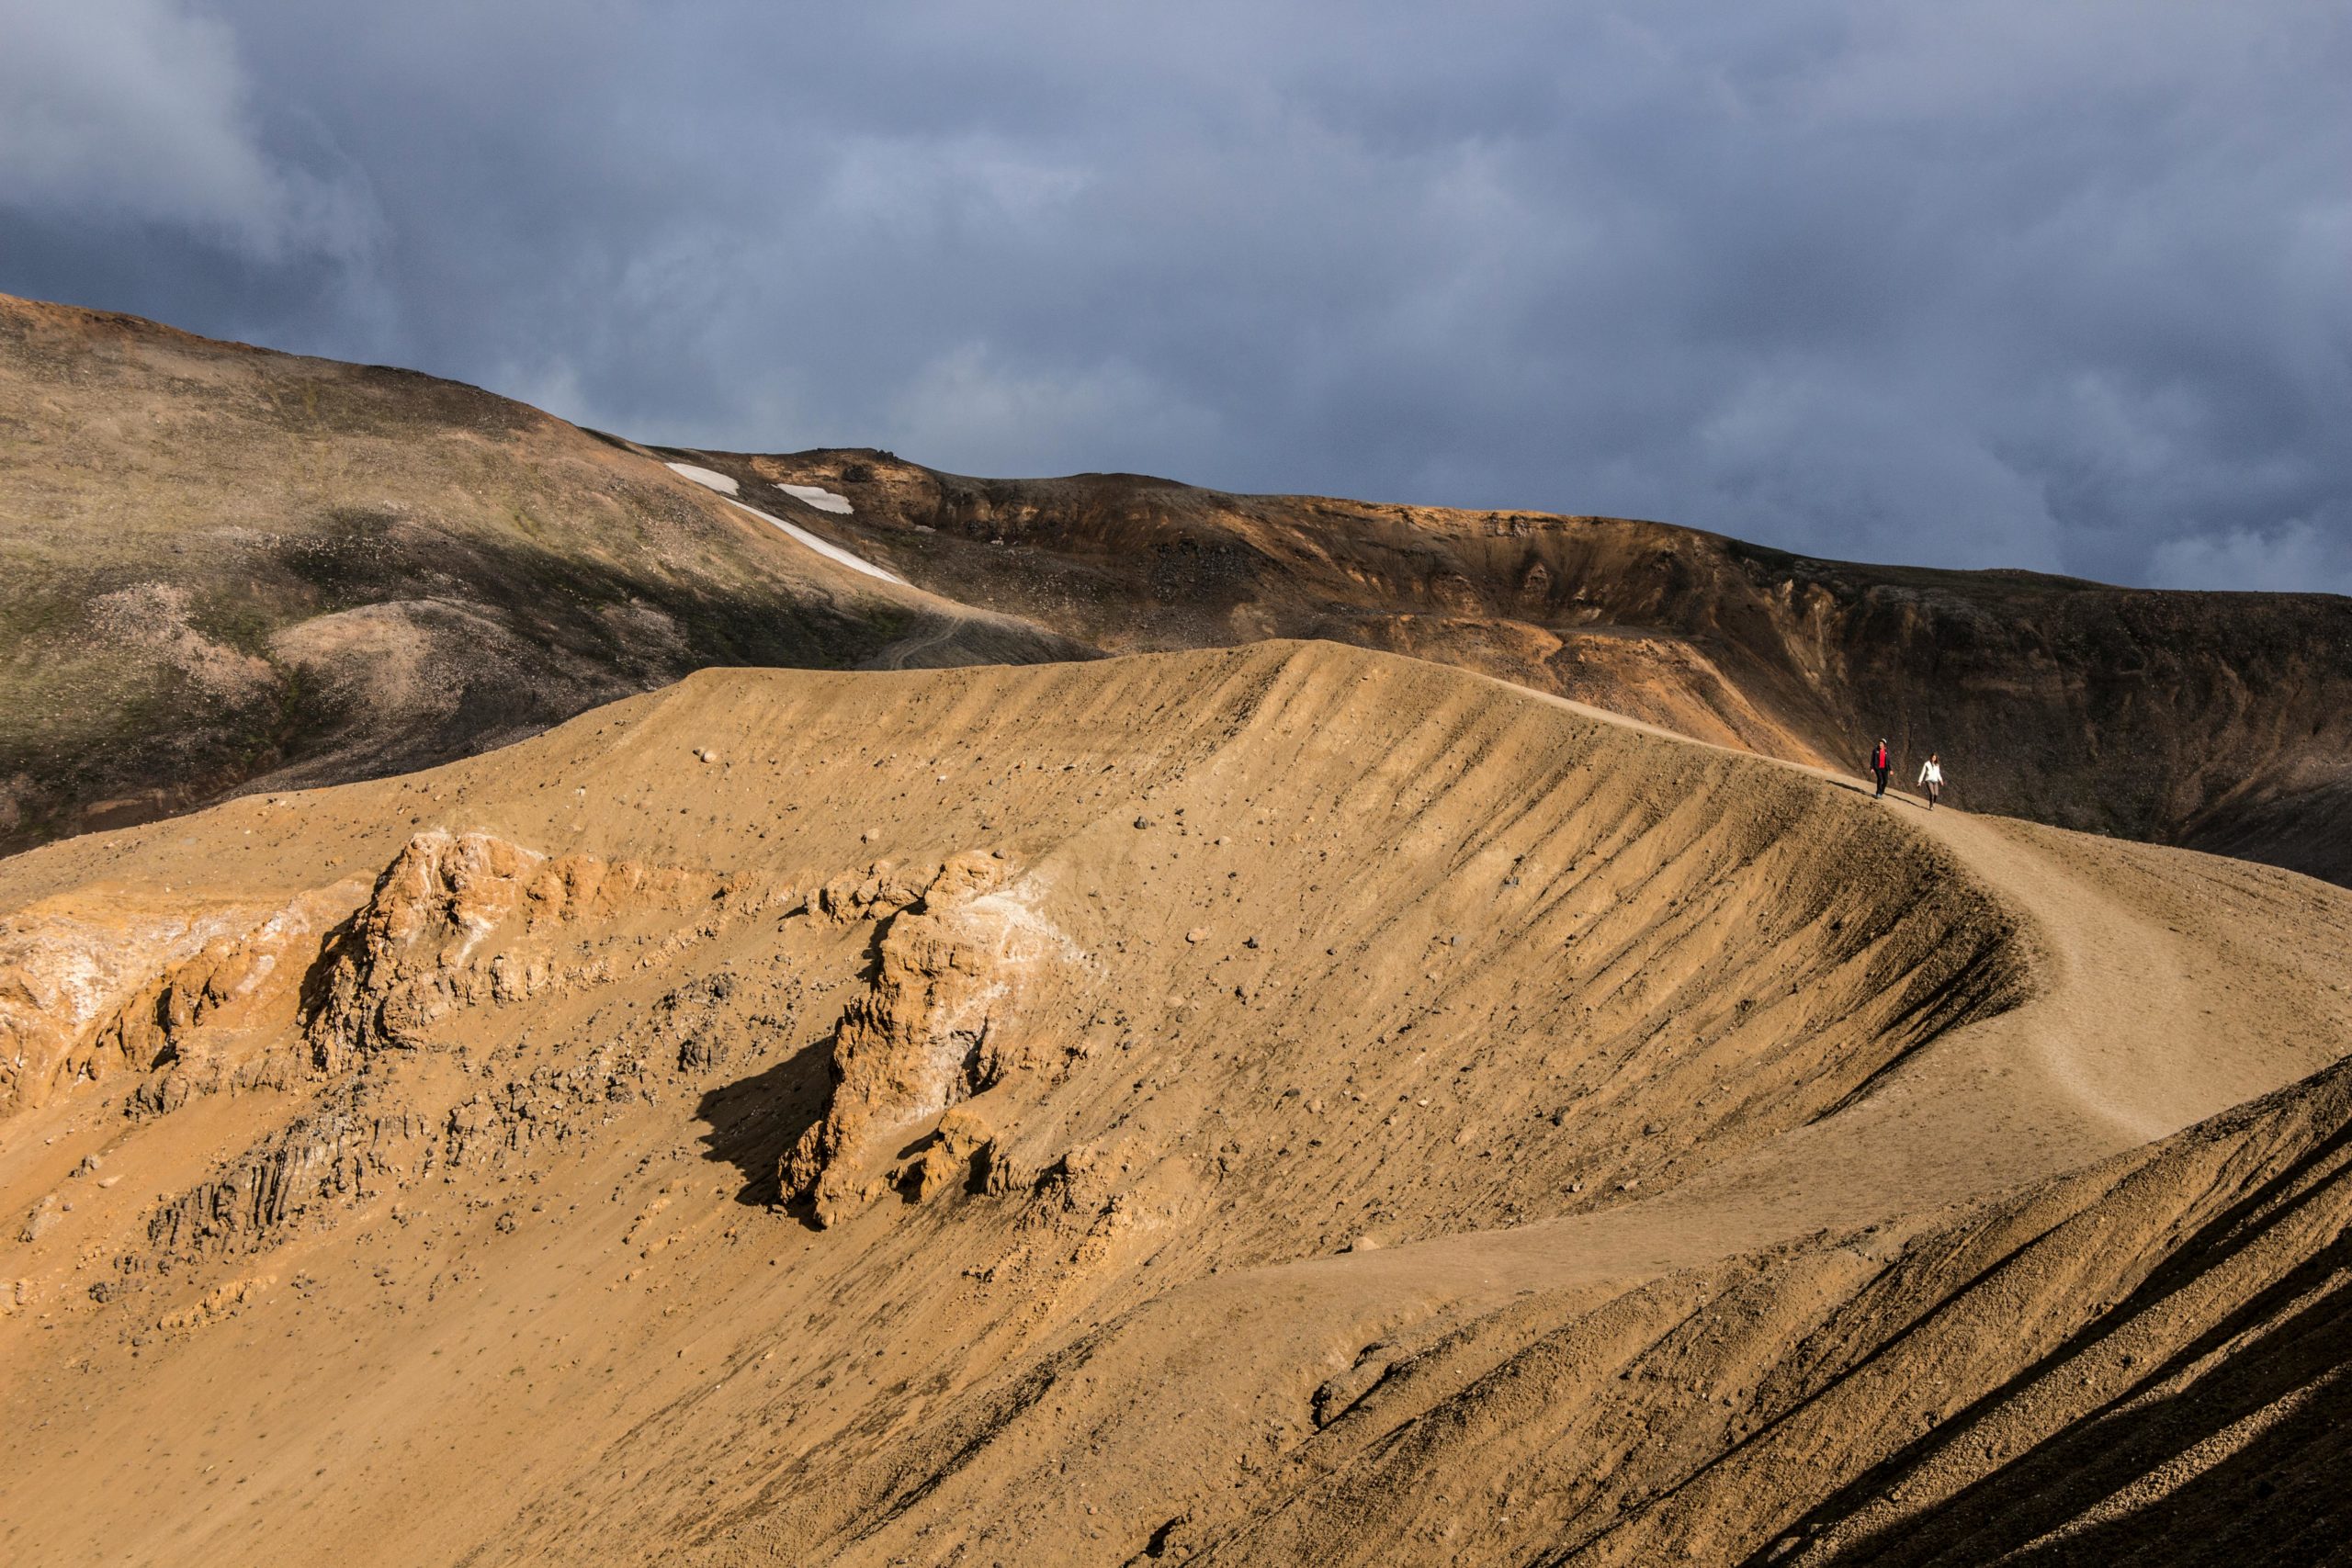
(1881, 763)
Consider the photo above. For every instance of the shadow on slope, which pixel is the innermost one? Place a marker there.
(755, 1120)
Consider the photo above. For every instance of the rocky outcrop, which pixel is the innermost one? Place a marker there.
(224, 1019)
(203, 990)
(459, 919)
(61, 971)
(209, 997)
(940, 1024)
(882, 889)
(360, 1139)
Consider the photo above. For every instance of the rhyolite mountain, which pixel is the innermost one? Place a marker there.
(224, 569)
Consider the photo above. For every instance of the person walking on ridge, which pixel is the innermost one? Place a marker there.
(1931, 778)
(1881, 763)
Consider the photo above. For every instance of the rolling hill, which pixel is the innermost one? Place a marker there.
(223, 570)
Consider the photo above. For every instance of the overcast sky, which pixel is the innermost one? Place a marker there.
(2025, 283)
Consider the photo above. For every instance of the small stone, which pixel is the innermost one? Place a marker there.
(1365, 1244)
(40, 1220)
(1197, 934)
(1143, 821)
(1629, 1184)
(1250, 942)
(706, 754)
(870, 835)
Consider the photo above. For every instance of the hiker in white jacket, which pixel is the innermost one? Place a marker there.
(1931, 778)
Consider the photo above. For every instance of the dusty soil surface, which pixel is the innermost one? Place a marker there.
(2222, 721)
(1283, 1105)
(223, 570)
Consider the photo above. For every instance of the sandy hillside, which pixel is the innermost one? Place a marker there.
(1283, 1105)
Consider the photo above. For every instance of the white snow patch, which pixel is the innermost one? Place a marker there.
(824, 548)
(711, 477)
(727, 486)
(819, 497)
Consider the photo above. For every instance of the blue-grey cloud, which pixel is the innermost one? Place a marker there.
(1997, 283)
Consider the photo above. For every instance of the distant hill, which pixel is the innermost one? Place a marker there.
(2220, 721)
(224, 569)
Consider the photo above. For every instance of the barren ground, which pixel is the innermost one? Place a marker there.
(1291, 1104)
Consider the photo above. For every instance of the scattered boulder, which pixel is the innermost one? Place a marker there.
(41, 1221)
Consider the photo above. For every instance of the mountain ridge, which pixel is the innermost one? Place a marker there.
(2212, 720)
(232, 570)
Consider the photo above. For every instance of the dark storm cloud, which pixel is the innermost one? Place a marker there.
(2061, 286)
